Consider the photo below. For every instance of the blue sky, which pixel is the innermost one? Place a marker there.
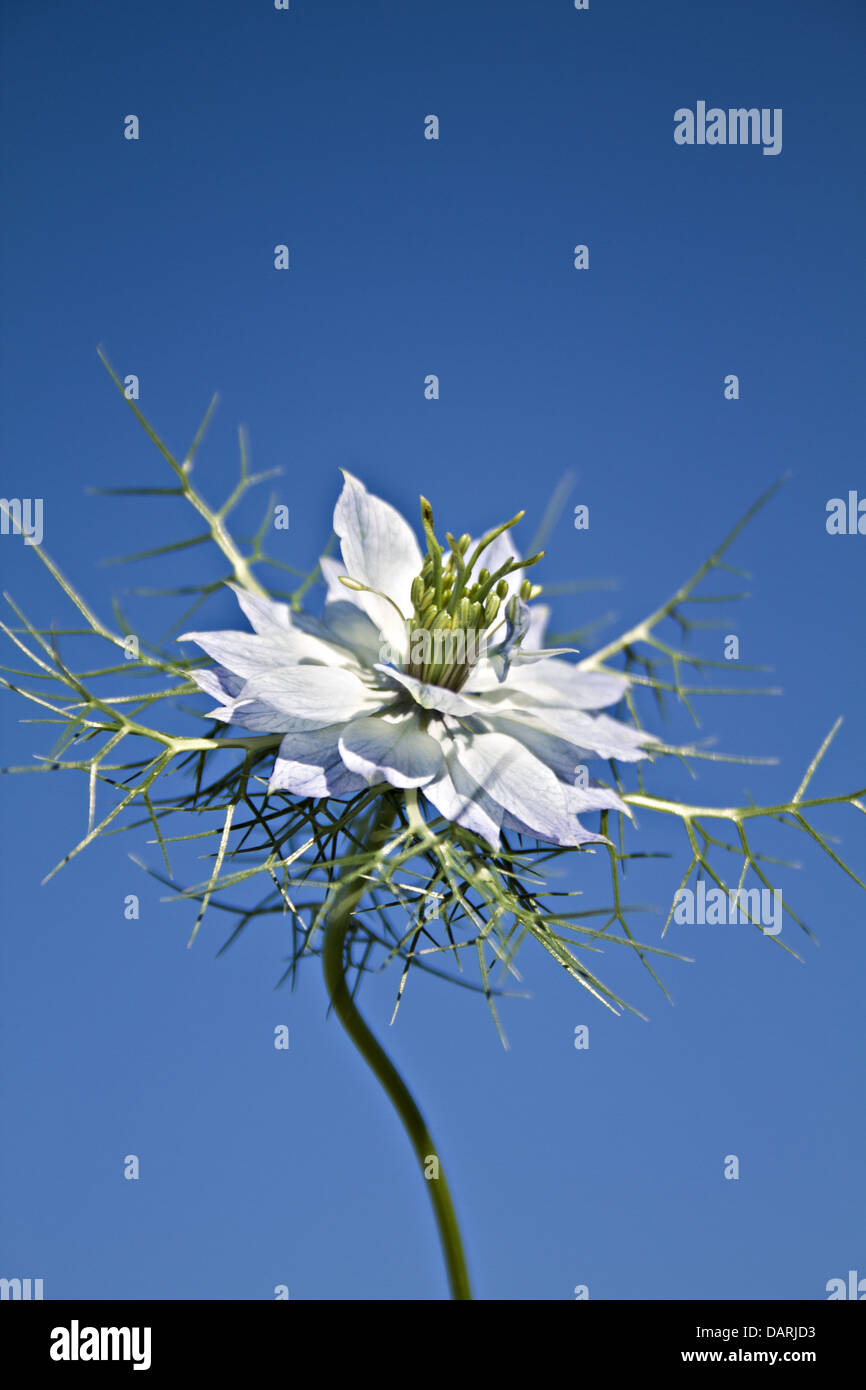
(454, 257)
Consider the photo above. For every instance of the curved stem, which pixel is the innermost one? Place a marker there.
(339, 923)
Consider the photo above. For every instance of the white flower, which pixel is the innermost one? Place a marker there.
(424, 671)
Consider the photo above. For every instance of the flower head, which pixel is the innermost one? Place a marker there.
(424, 671)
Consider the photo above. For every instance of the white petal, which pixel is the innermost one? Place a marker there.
(317, 695)
(350, 626)
(596, 735)
(380, 550)
(345, 617)
(275, 620)
(218, 682)
(594, 798)
(390, 750)
(556, 682)
(258, 717)
(434, 697)
(482, 678)
(564, 760)
(459, 798)
(526, 789)
(247, 653)
(309, 764)
(235, 709)
(243, 653)
(335, 592)
(263, 614)
(574, 835)
(485, 674)
(539, 616)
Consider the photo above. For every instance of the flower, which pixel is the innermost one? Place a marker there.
(425, 671)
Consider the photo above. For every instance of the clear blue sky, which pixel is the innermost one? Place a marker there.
(454, 257)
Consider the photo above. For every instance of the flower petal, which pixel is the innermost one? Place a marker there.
(596, 735)
(380, 550)
(485, 674)
(459, 798)
(218, 682)
(556, 682)
(247, 713)
(314, 695)
(539, 617)
(594, 798)
(432, 697)
(353, 629)
(264, 615)
(248, 653)
(526, 789)
(575, 836)
(390, 750)
(309, 764)
(564, 759)
(335, 592)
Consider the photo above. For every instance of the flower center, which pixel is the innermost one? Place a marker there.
(455, 605)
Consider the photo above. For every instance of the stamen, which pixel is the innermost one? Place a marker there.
(358, 587)
(450, 614)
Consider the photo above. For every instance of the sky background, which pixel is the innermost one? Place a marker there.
(601, 1167)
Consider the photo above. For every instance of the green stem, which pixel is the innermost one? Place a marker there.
(338, 926)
